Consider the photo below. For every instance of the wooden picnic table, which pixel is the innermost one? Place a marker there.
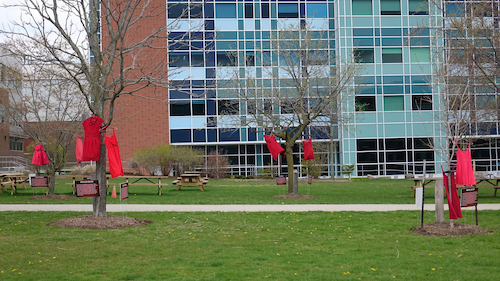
(487, 183)
(13, 180)
(131, 180)
(190, 179)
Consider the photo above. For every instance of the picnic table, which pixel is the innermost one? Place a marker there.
(190, 178)
(13, 180)
(487, 183)
(131, 180)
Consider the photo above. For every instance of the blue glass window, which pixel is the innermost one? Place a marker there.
(229, 134)
(179, 59)
(393, 79)
(265, 10)
(198, 107)
(177, 10)
(212, 135)
(174, 94)
(362, 31)
(225, 10)
(179, 136)
(393, 90)
(199, 135)
(391, 42)
(316, 10)
(364, 42)
(225, 59)
(288, 11)
(252, 134)
(211, 107)
(209, 10)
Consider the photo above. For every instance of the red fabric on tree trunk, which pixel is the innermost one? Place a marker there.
(92, 140)
(79, 149)
(455, 211)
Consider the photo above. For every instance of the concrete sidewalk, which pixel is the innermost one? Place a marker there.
(231, 208)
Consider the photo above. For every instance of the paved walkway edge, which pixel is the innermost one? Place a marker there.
(231, 208)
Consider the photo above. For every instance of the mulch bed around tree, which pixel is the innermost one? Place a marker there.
(291, 196)
(91, 222)
(51, 197)
(443, 229)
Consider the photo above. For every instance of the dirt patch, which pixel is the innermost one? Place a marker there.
(443, 229)
(51, 197)
(91, 222)
(291, 196)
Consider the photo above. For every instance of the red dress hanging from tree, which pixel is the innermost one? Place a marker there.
(273, 146)
(114, 159)
(308, 149)
(465, 173)
(92, 140)
(39, 156)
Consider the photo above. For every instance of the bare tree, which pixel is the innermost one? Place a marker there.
(49, 108)
(128, 55)
(304, 89)
(466, 53)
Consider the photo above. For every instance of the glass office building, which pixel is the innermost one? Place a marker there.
(392, 117)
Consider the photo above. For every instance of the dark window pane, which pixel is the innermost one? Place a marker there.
(365, 103)
(197, 59)
(180, 108)
(229, 107)
(229, 149)
(422, 102)
(422, 143)
(399, 156)
(364, 55)
(229, 135)
(421, 155)
(248, 10)
(177, 10)
(265, 10)
(252, 134)
(393, 144)
(179, 59)
(370, 144)
(178, 136)
(225, 59)
(199, 135)
(174, 94)
(367, 157)
(198, 107)
(212, 135)
(196, 11)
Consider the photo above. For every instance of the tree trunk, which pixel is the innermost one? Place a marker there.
(52, 181)
(289, 164)
(99, 203)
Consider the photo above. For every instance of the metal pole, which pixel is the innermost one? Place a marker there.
(423, 197)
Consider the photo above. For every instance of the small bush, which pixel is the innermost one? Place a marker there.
(86, 170)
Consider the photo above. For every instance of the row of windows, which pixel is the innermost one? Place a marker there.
(15, 144)
(390, 7)
(250, 10)
(396, 156)
(394, 90)
(394, 169)
(235, 134)
(394, 144)
(415, 79)
(392, 55)
(393, 103)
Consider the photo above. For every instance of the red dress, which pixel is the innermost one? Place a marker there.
(308, 149)
(79, 149)
(273, 146)
(92, 140)
(39, 156)
(114, 159)
(465, 173)
(454, 209)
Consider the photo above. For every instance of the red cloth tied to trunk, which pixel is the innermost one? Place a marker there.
(274, 147)
(455, 211)
(308, 149)
(79, 149)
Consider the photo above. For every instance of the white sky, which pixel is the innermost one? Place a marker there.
(7, 14)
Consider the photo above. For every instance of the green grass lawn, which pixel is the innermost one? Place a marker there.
(360, 191)
(246, 246)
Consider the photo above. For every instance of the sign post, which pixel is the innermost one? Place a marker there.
(40, 181)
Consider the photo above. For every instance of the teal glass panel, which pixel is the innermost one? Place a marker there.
(361, 7)
(249, 45)
(273, 10)
(227, 35)
(420, 55)
(316, 10)
(257, 26)
(366, 131)
(257, 10)
(240, 10)
(390, 7)
(243, 134)
(394, 130)
(393, 103)
(274, 24)
(241, 25)
(249, 35)
(394, 117)
(418, 7)
(225, 45)
(266, 34)
(331, 24)
(225, 10)
(331, 10)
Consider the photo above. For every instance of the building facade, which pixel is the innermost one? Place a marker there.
(392, 122)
